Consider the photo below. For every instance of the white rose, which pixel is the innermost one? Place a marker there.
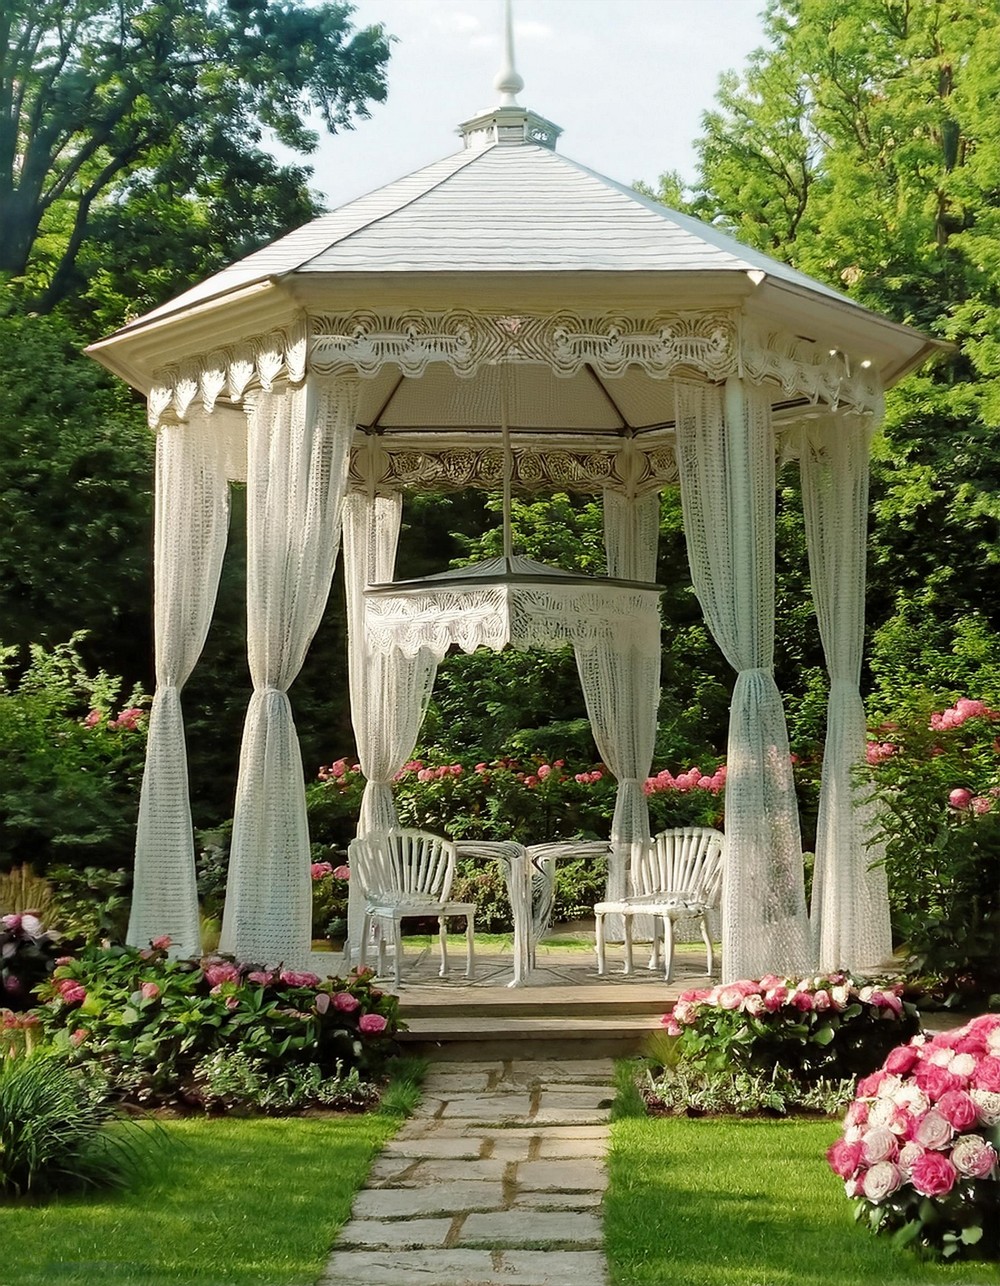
(908, 1153)
(963, 1065)
(879, 1144)
(987, 1106)
(912, 1099)
(881, 1181)
(840, 995)
(942, 1057)
(883, 1113)
(935, 1131)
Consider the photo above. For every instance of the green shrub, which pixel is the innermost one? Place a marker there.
(28, 954)
(823, 1028)
(54, 1129)
(226, 1080)
(146, 1022)
(91, 906)
(935, 775)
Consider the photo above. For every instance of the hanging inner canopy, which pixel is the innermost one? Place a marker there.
(512, 570)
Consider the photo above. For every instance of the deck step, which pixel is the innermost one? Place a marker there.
(471, 1038)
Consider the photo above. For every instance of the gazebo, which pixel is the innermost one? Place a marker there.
(508, 317)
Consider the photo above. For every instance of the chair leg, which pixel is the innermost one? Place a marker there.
(470, 945)
(654, 958)
(443, 939)
(380, 934)
(599, 932)
(668, 947)
(397, 947)
(627, 921)
(363, 946)
(709, 949)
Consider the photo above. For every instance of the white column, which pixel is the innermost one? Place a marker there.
(191, 526)
(298, 453)
(725, 451)
(850, 903)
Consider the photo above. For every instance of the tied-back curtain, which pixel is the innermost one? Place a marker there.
(191, 526)
(620, 677)
(389, 691)
(725, 455)
(850, 904)
(297, 457)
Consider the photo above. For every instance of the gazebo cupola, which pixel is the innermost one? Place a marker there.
(507, 316)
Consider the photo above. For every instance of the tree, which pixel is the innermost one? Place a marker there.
(862, 145)
(96, 95)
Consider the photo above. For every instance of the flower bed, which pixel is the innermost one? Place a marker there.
(818, 1028)
(153, 1026)
(919, 1150)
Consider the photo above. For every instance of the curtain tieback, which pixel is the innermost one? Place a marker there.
(766, 670)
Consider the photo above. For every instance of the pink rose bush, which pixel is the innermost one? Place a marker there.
(149, 1023)
(830, 1027)
(918, 1153)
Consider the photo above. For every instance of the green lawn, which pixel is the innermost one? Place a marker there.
(726, 1202)
(228, 1202)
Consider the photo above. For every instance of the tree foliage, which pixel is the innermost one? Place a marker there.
(102, 101)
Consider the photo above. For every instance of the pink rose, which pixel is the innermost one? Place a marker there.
(291, 978)
(161, 943)
(345, 1002)
(934, 1131)
(216, 974)
(261, 977)
(879, 1144)
(775, 998)
(957, 1108)
(880, 1181)
(973, 1156)
(93, 719)
(11, 922)
(821, 999)
(318, 869)
(150, 991)
(670, 1025)
(844, 1158)
(987, 1075)
(868, 1085)
(935, 1080)
(341, 872)
(371, 1024)
(887, 1000)
(933, 1175)
(686, 1011)
(857, 1113)
(901, 1060)
(753, 1005)
(960, 798)
(802, 1001)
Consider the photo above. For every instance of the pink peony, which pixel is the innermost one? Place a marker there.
(670, 1025)
(935, 1080)
(881, 1181)
(754, 1005)
(162, 942)
(901, 1060)
(292, 978)
(775, 998)
(371, 1024)
(844, 1158)
(261, 977)
(987, 1075)
(960, 798)
(93, 719)
(318, 869)
(957, 1108)
(72, 993)
(973, 1156)
(150, 991)
(220, 972)
(933, 1175)
(341, 872)
(803, 1001)
(345, 1002)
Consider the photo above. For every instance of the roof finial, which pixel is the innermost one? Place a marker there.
(507, 80)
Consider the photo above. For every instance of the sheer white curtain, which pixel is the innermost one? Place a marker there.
(297, 457)
(620, 677)
(191, 525)
(725, 454)
(389, 690)
(850, 904)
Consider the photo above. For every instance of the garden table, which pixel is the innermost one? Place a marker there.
(517, 870)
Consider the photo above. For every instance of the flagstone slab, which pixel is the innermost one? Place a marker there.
(577, 1175)
(394, 1234)
(438, 1199)
(532, 1228)
(465, 1268)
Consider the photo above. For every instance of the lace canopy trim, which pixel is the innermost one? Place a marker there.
(711, 345)
(542, 616)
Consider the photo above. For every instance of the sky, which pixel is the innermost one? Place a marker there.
(627, 80)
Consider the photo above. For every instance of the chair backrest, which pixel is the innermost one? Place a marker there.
(401, 863)
(686, 861)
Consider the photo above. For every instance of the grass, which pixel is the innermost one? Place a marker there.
(231, 1202)
(732, 1202)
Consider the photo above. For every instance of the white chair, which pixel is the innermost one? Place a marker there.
(405, 874)
(677, 876)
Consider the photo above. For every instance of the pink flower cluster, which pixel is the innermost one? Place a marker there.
(771, 995)
(320, 870)
(963, 799)
(920, 1119)
(877, 752)
(339, 772)
(692, 779)
(962, 710)
(127, 721)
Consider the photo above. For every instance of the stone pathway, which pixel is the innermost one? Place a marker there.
(496, 1180)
